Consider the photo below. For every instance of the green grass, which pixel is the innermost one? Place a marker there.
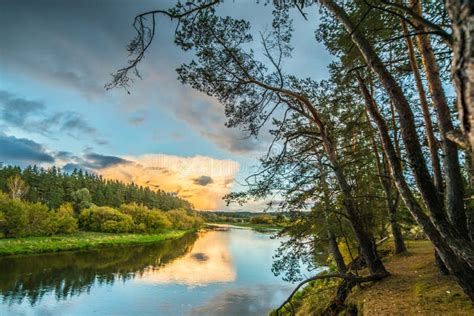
(80, 240)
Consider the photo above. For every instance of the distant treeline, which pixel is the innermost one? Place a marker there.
(245, 217)
(53, 187)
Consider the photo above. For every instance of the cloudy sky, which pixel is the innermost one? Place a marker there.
(57, 55)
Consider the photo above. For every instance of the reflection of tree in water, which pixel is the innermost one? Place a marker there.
(71, 273)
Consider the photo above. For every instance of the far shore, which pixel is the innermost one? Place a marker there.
(257, 227)
(80, 241)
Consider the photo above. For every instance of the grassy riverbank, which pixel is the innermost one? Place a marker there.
(414, 287)
(80, 240)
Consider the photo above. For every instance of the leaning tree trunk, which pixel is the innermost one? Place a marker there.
(332, 240)
(457, 266)
(430, 137)
(454, 181)
(386, 183)
(335, 252)
(432, 145)
(460, 245)
(462, 15)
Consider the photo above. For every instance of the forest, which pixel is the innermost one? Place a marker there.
(382, 145)
(53, 187)
(45, 202)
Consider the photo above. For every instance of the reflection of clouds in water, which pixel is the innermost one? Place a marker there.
(208, 262)
(258, 300)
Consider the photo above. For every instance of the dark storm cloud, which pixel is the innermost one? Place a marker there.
(21, 150)
(16, 110)
(97, 161)
(203, 180)
(33, 116)
(72, 121)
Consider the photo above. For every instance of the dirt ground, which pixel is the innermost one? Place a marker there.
(414, 288)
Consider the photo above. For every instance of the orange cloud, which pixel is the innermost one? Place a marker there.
(203, 181)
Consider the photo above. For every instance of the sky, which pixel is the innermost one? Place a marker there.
(57, 55)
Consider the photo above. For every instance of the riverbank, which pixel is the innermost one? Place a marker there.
(414, 287)
(80, 240)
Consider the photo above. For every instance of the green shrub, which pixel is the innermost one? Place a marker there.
(41, 221)
(15, 217)
(146, 220)
(81, 200)
(158, 221)
(105, 219)
(66, 222)
(182, 219)
(20, 219)
(262, 219)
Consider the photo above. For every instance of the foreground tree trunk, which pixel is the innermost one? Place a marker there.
(433, 147)
(462, 16)
(332, 239)
(454, 182)
(386, 183)
(335, 252)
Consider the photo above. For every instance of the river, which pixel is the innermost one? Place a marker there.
(209, 273)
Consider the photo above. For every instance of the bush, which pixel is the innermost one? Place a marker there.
(15, 217)
(181, 219)
(41, 221)
(21, 219)
(82, 200)
(105, 219)
(66, 222)
(157, 221)
(146, 220)
(262, 219)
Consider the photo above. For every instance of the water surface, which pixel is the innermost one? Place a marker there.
(210, 273)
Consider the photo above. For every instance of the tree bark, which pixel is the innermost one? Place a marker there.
(432, 146)
(456, 265)
(332, 240)
(462, 16)
(335, 252)
(386, 183)
(454, 181)
(364, 238)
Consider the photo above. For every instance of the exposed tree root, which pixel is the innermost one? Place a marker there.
(337, 304)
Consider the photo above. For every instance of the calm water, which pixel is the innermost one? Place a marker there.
(212, 273)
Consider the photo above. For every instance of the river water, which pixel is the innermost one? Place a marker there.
(209, 273)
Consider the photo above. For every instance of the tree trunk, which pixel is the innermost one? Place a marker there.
(396, 231)
(460, 245)
(432, 146)
(462, 15)
(456, 265)
(336, 253)
(386, 183)
(454, 182)
(364, 238)
(440, 264)
(332, 240)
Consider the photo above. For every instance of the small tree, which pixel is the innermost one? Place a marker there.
(82, 200)
(18, 187)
